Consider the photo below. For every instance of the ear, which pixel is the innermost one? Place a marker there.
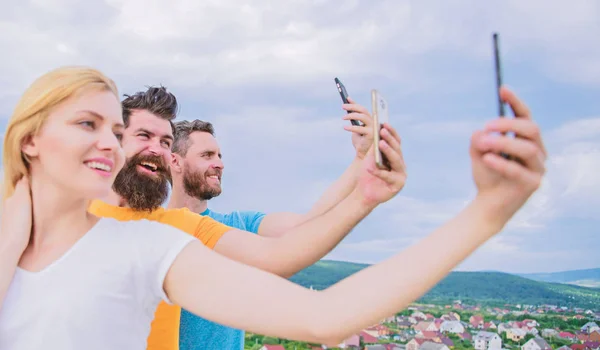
(176, 163)
(29, 147)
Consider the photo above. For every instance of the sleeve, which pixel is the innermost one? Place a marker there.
(206, 229)
(252, 220)
(157, 247)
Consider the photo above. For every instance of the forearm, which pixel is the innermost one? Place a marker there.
(305, 244)
(8, 264)
(449, 244)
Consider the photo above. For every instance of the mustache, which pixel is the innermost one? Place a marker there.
(159, 161)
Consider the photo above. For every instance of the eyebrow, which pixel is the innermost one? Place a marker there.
(100, 116)
(166, 136)
(211, 152)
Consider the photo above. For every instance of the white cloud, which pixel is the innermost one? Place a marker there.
(201, 45)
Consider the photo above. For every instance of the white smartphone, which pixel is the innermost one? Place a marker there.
(380, 116)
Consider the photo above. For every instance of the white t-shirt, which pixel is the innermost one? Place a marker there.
(101, 294)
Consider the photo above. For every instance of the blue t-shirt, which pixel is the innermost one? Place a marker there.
(198, 333)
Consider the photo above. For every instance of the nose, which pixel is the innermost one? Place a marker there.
(218, 164)
(108, 141)
(156, 149)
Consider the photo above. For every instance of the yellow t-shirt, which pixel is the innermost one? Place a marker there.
(164, 332)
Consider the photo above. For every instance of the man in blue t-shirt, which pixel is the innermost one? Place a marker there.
(196, 171)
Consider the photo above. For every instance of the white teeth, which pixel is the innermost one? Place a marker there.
(151, 165)
(100, 166)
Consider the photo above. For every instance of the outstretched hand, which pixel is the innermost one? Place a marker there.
(508, 183)
(377, 185)
(362, 136)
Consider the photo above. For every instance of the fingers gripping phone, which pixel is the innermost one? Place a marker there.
(344, 94)
(380, 117)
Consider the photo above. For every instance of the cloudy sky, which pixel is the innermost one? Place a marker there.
(262, 72)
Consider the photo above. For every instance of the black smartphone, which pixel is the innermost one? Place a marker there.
(498, 71)
(344, 94)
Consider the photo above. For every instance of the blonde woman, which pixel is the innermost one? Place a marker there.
(70, 280)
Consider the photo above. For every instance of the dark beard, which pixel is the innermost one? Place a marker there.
(196, 186)
(141, 191)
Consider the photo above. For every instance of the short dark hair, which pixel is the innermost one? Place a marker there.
(182, 131)
(156, 100)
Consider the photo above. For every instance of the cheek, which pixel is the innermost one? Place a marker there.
(57, 148)
(130, 145)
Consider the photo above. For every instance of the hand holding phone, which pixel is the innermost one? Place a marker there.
(344, 94)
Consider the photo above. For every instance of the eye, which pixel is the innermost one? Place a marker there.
(119, 136)
(166, 144)
(144, 136)
(88, 124)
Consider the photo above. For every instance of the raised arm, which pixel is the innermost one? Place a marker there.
(273, 306)
(278, 223)
(14, 233)
(305, 244)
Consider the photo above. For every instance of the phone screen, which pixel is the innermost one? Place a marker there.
(380, 117)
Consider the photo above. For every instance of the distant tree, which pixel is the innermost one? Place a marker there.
(270, 340)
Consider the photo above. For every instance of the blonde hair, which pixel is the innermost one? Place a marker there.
(33, 109)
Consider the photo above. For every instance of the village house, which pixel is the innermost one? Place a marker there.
(403, 324)
(516, 334)
(487, 340)
(530, 323)
(430, 335)
(428, 345)
(549, 333)
(583, 337)
(454, 327)
(465, 336)
(476, 321)
(594, 336)
(567, 335)
(590, 327)
(385, 347)
(352, 343)
(418, 315)
(378, 331)
(536, 344)
(426, 326)
(592, 345)
(489, 326)
(272, 347)
(415, 344)
(503, 327)
(368, 339)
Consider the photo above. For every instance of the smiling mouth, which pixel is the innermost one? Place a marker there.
(149, 166)
(215, 177)
(99, 166)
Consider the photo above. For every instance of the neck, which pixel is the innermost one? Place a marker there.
(55, 215)
(179, 199)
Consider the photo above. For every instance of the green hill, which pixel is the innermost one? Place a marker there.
(586, 278)
(487, 287)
